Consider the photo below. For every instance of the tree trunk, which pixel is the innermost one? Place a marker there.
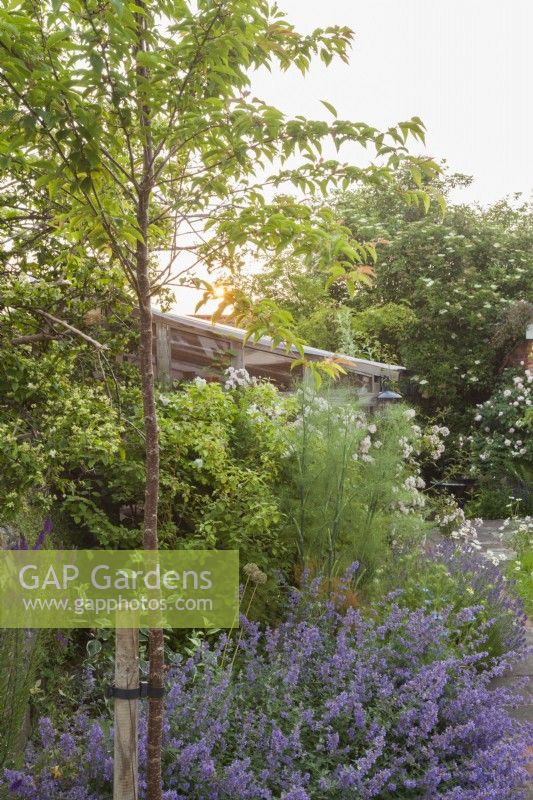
(151, 430)
(151, 500)
(125, 779)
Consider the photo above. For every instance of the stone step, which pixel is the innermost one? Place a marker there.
(522, 713)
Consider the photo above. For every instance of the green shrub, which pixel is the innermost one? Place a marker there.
(495, 498)
(521, 571)
(380, 330)
(221, 451)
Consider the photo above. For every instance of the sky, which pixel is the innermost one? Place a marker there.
(464, 66)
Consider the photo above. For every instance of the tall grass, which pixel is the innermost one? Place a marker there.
(20, 656)
(21, 653)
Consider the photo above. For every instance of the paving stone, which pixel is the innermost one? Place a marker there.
(522, 713)
(525, 668)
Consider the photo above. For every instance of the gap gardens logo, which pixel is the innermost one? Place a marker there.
(117, 588)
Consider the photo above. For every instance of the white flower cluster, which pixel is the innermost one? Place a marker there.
(435, 440)
(505, 413)
(407, 447)
(320, 403)
(238, 377)
(414, 482)
(350, 417)
(269, 412)
(410, 507)
(364, 446)
(340, 414)
(431, 440)
(454, 520)
(415, 499)
(367, 442)
(522, 527)
(496, 558)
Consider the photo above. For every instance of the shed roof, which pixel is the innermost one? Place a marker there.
(190, 338)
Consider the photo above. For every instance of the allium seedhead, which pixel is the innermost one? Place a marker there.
(254, 574)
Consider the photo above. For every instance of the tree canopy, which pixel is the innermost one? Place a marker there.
(448, 297)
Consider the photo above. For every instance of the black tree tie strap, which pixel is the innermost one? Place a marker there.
(143, 690)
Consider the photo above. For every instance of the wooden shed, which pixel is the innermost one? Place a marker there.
(188, 347)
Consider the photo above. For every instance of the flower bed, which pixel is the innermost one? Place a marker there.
(329, 705)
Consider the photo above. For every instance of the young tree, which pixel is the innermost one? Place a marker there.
(128, 129)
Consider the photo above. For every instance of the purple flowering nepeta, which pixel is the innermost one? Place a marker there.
(486, 584)
(22, 543)
(480, 600)
(327, 706)
(47, 731)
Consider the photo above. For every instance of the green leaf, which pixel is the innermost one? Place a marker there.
(329, 107)
(416, 174)
(94, 646)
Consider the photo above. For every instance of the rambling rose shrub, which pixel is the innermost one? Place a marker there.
(327, 706)
(501, 449)
(503, 439)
